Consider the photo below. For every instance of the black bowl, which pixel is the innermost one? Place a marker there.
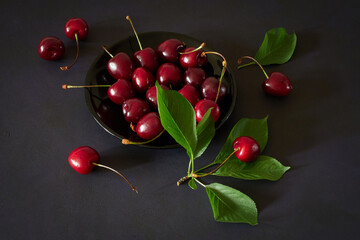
(109, 115)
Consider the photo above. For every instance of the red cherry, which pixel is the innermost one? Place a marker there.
(194, 59)
(134, 109)
(277, 84)
(209, 89)
(194, 76)
(147, 58)
(82, 159)
(76, 26)
(151, 96)
(149, 126)
(142, 79)
(121, 66)
(169, 75)
(121, 91)
(169, 50)
(51, 48)
(203, 105)
(191, 94)
(248, 147)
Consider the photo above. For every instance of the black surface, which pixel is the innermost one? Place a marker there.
(315, 129)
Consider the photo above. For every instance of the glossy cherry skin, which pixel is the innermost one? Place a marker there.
(51, 48)
(76, 26)
(203, 105)
(191, 94)
(149, 126)
(151, 95)
(210, 87)
(81, 159)
(248, 147)
(194, 76)
(277, 84)
(142, 79)
(193, 59)
(121, 66)
(169, 75)
(134, 109)
(121, 91)
(169, 50)
(147, 58)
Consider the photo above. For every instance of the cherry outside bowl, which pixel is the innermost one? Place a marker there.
(109, 115)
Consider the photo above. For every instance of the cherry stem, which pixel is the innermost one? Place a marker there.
(107, 51)
(196, 49)
(224, 63)
(251, 58)
(127, 141)
(111, 169)
(65, 86)
(77, 55)
(132, 126)
(128, 18)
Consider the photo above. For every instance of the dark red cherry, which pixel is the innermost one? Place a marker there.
(121, 66)
(203, 105)
(277, 84)
(81, 159)
(142, 79)
(169, 50)
(248, 147)
(194, 59)
(147, 58)
(191, 94)
(51, 48)
(121, 91)
(194, 76)
(149, 126)
(76, 26)
(151, 96)
(134, 109)
(210, 87)
(169, 75)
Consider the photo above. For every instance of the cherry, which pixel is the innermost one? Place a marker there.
(75, 29)
(191, 94)
(51, 48)
(84, 159)
(146, 57)
(120, 91)
(120, 65)
(151, 96)
(169, 50)
(203, 105)
(149, 126)
(194, 76)
(134, 109)
(209, 89)
(142, 79)
(191, 58)
(169, 74)
(277, 84)
(247, 149)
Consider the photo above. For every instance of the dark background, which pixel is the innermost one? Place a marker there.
(315, 129)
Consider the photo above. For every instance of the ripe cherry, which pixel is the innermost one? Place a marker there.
(149, 126)
(194, 76)
(247, 149)
(169, 50)
(203, 105)
(209, 89)
(84, 159)
(193, 59)
(142, 79)
(120, 65)
(75, 29)
(134, 109)
(169, 74)
(191, 94)
(121, 91)
(51, 48)
(151, 96)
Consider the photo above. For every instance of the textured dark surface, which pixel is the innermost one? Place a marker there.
(315, 129)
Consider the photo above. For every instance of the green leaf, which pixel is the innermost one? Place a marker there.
(205, 131)
(231, 205)
(277, 47)
(192, 184)
(178, 118)
(263, 167)
(255, 128)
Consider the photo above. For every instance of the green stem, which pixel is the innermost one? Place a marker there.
(245, 65)
(200, 183)
(207, 166)
(240, 59)
(196, 49)
(77, 55)
(128, 18)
